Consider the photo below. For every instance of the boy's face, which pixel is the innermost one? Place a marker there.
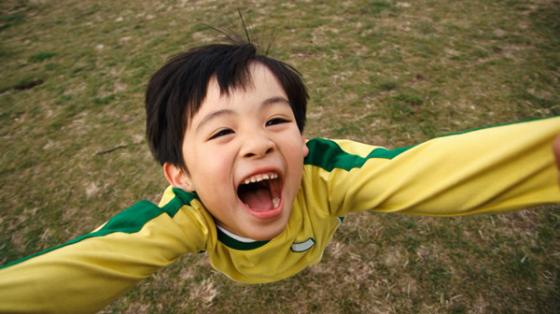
(244, 154)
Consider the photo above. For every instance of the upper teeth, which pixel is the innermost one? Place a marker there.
(261, 177)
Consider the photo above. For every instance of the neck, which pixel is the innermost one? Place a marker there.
(235, 236)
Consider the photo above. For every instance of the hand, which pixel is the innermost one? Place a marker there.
(556, 150)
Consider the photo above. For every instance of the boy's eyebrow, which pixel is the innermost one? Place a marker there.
(267, 102)
(273, 100)
(212, 116)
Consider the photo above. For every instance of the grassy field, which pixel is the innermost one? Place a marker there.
(384, 72)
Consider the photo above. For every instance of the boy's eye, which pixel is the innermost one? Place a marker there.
(220, 133)
(275, 121)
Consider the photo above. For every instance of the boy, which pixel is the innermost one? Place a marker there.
(227, 126)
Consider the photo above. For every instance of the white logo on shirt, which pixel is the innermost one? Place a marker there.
(303, 246)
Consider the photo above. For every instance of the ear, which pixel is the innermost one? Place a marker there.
(178, 177)
(305, 148)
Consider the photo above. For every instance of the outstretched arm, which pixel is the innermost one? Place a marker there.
(85, 274)
(484, 171)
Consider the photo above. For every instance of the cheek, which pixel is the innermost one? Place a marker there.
(211, 165)
(295, 152)
(299, 149)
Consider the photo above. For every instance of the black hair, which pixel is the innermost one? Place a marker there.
(176, 91)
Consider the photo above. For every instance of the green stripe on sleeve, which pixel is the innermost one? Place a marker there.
(130, 220)
(328, 155)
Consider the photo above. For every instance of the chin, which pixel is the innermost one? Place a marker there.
(263, 233)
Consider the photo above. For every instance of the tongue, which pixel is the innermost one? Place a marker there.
(258, 199)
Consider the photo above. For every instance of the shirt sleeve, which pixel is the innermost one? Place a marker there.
(88, 272)
(483, 171)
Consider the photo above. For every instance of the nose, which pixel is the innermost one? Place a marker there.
(257, 146)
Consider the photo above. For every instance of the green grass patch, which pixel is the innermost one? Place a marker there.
(42, 56)
(388, 85)
(379, 6)
(521, 266)
(10, 20)
(101, 101)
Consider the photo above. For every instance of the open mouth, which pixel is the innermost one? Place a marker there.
(262, 192)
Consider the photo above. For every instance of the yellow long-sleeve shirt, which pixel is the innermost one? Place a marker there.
(484, 171)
